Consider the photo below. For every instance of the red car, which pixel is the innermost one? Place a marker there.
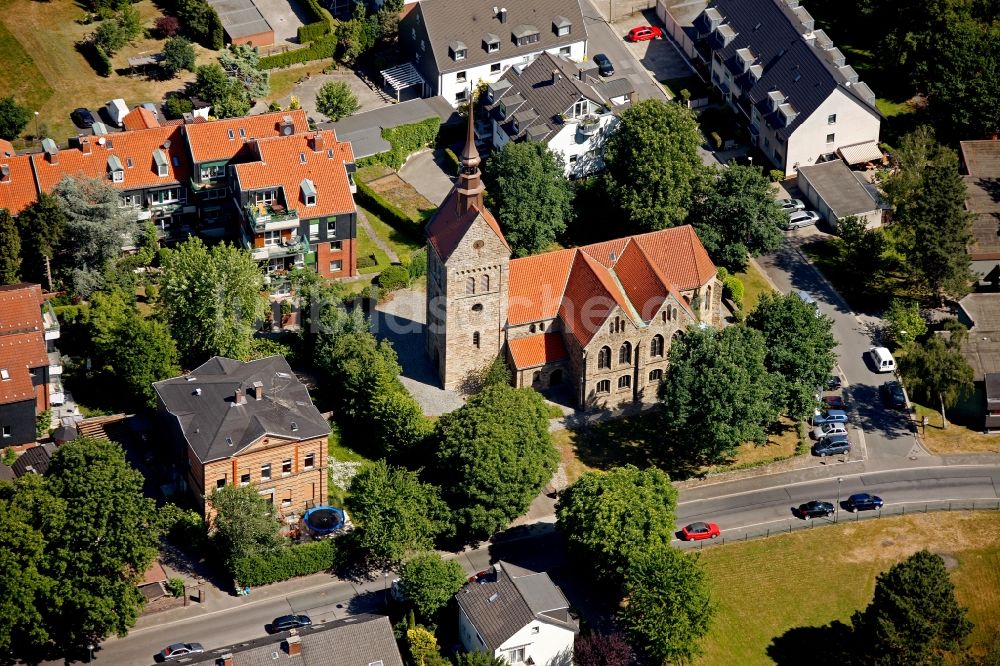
(833, 402)
(699, 531)
(642, 33)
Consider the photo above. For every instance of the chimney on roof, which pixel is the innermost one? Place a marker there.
(317, 142)
(85, 145)
(287, 126)
(226, 659)
(258, 390)
(4, 173)
(294, 643)
(556, 76)
(166, 144)
(51, 151)
(503, 14)
(239, 398)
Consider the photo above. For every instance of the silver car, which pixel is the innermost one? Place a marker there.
(180, 650)
(802, 218)
(829, 429)
(791, 205)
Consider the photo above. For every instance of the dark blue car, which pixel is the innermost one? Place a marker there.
(863, 502)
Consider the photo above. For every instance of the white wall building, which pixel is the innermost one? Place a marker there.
(518, 615)
(457, 44)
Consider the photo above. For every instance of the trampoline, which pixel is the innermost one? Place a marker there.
(324, 519)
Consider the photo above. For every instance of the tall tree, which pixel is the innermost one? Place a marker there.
(243, 524)
(718, 393)
(913, 617)
(396, 514)
(228, 97)
(738, 216)
(242, 62)
(935, 370)
(336, 100)
(430, 582)
(212, 299)
(22, 556)
(41, 226)
(668, 607)
(653, 167)
(178, 54)
(10, 249)
(13, 118)
(799, 349)
(494, 455)
(609, 517)
(863, 251)
(98, 225)
(143, 353)
(904, 323)
(526, 190)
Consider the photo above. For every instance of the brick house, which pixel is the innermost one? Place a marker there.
(296, 200)
(599, 318)
(247, 423)
(29, 363)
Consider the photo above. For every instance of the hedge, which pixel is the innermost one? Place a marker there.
(367, 261)
(285, 563)
(405, 140)
(313, 31)
(319, 49)
(320, 14)
(393, 277)
(388, 213)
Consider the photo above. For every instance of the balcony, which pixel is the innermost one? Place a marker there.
(283, 249)
(271, 217)
(56, 394)
(589, 125)
(55, 364)
(50, 321)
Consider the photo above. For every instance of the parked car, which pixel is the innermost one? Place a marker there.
(833, 402)
(832, 446)
(834, 383)
(802, 218)
(827, 429)
(893, 393)
(863, 502)
(791, 205)
(699, 531)
(82, 118)
(829, 416)
(604, 66)
(643, 33)
(815, 509)
(286, 622)
(396, 591)
(178, 650)
(149, 106)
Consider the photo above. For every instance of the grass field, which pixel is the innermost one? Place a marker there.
(766, 588)
(402, 244)
(964, 433)
(282, 81)
(367, 247)
(754, 284)
(40, 64)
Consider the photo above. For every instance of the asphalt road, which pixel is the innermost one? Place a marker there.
(887, 433)
(602, 38)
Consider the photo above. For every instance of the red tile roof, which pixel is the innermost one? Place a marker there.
(679, 255)
(17, 189)
(448, 227)
(286, 161)
(210, 141)
(536, 285)
(536, 350)
(137, 146)
(139, 118)
(22, 340)
(6, 148)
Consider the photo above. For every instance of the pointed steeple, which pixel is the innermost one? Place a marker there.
(470, 185)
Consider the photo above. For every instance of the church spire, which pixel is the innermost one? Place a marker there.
(470, 185)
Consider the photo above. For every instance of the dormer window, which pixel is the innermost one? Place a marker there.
(160, 159)
(515, 126)
(116, 170)
(561, 26)
(524, 35)
(308, 192)
(491, 43)
(458, 50)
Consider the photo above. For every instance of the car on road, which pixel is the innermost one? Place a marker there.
(893, 393)
(791, 205)
(643, 33)
(829, 416)
(82, 118)
(286, 622)
(833, 402)
(828, 429)
(815, 509)
(802, 218)
(604, 66)
(699, 531)
(863, 502)
(832, 446)
(179, 650)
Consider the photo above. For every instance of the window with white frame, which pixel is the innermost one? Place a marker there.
(494, 69)
(310, 199)
(461, 95)
(336, 266)
(565, 51)
(169, 195)
(581, 108)
(314, 231)
(625, 381)
(213, 172)
(286, 467)
(516, 656)
(272, 238)
(265, 196)
(5, 431)
(286, 501)
(118, 176)
(336, 246)
(604, 386)
(831, 119)
(461, 77)
(310, 461)
(331, 228)
(265, 472)
(245, 479)
(131, 200)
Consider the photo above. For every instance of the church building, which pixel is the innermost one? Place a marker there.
(597, 318)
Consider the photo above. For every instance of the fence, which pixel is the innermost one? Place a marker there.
(842, 516)
(675, 30)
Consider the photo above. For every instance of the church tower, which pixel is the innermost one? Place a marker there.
(467, 274)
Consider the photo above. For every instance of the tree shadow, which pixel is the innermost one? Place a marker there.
(829, 645)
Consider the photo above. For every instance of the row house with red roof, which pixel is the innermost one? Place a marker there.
(29, 363)
(598, 318)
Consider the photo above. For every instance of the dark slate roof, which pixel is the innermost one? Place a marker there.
(536, 101)
(773, 33)
(470, 21)
(36, 459)
(503, 601)
(215, 427)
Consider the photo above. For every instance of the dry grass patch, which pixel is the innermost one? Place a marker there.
(404, 196)
(957, 438)
(283, 81)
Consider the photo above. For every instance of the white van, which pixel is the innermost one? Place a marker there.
(883, 360)
(117, 110)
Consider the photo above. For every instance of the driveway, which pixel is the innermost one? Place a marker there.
(659, 56)
(609, 40)
(285, 17)
(306, 91)
(430, 173)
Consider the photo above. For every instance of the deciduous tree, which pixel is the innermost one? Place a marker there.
(10, 249)
(178, 54)
(609, 517)
(653, 166)
(396, 514)
(228, 97)
(430, 582)
(904, 323)
(738, 217)
(913, 617)
(936, 370)
(336, 100)
(13, 118)
(494, 455)
(526, 190)
(597, 649)
(244, 524)
(41, 227)
(863, 250)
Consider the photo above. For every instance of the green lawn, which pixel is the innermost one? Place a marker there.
(754, 285)
(339, 451)
(282, 81)
(401, 243)
(367, 247)
(768, 587)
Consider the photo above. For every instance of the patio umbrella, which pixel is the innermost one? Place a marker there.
(65, 434)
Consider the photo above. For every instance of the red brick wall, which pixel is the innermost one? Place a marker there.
(259, 39)
(346, 256)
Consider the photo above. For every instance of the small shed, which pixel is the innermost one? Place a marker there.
(837, 192)
(992, 421)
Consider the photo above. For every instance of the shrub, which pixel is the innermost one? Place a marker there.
(716, 140)
(318, 14)
(175, 586)
(284, 563)
(418, 265)
(176, 106)
(167, 26)
(453, 158)
(178, 54)
(393, 277)
(389, 213)
(722, 273)
(777, 175)
(732, 288)
(367, 261)
(43, 422)
(336, 100)
(319, 49)
(408, 139)
(313, 31)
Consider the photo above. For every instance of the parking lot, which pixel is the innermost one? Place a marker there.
(285, 17)
(659, 56)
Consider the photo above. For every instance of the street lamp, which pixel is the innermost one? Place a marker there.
(836, 509)
(36, 127)
(90, 646)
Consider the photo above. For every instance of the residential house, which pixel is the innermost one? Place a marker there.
(599, 318)
(787, 81)
(214, 146)
(552, 101)
(456, 44)
(516, 614)
(247, 423)
(982, 185)
(29, 363)
(356, 640)
(35, 460)
(148, 166)
(17, 181)
(836, 192)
